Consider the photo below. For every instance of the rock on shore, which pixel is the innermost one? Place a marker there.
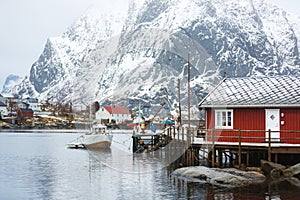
(229, 177)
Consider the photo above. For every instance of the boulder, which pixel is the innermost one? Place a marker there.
(229, 177)
(277, 170)
(270, 168)
(292, 171)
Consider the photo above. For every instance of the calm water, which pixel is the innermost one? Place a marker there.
(37, 165)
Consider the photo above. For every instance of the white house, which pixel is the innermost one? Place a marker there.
(3, 110)
(33, 104)
(23, 105)
(113, 114)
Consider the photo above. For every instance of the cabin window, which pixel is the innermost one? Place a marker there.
(224, 119)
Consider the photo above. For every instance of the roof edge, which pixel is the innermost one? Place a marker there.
(252, 106)
(201, 102)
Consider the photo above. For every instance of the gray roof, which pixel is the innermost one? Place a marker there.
(2, 104)
(274, 91)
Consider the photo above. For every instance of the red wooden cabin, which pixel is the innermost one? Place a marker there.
(23, 112)
(251, 107)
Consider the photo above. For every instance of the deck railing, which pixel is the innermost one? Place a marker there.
(240, 137)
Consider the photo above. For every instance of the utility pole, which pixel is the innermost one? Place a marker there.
(189, 93)
(179, 104)
(189, 102)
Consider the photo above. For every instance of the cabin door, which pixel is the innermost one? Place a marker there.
(272, 123)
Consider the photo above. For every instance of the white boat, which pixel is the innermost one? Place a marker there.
(98, 138)
(75, 145)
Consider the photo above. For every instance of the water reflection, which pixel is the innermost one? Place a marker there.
(43, 171)
(126, 176)
(39, 166)
(270, 189)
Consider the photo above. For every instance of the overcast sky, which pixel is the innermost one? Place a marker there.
(25, 26)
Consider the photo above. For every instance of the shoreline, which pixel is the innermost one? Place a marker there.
(18, 130)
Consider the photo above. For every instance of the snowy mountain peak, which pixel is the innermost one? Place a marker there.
(141, 53)
(10, 82)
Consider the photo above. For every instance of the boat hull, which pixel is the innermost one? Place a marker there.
(97, 141)
(75, 145)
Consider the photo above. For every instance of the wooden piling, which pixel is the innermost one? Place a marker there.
(269, 146)
(213, 148)
(240, 148)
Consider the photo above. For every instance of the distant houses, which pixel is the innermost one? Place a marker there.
(113, 114)
(254, 105)
(24, 113)
(33, 104)
(3, 110)
(13, 109)
(28, 108)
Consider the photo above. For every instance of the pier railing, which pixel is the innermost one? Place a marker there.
(266, 139)
(237, 135)
(253, 136)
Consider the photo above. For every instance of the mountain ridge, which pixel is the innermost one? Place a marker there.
(143, 53)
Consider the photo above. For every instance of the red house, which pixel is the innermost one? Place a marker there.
(23, 112)
(252, 106)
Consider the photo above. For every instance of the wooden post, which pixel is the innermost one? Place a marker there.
(269, 146)
(179, 104)
(197, 156)
(219, 158)
(188, 136)
(248, 158)
(174, 132)
(240, 148)
(193, 135)
(189, 102)
(135, 143)
(213, 148)
(276, 158)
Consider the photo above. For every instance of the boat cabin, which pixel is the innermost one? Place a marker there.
(255, 108)
(99, 129)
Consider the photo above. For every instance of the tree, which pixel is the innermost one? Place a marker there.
(95, 107)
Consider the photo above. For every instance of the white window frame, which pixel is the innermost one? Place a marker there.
(221, 120)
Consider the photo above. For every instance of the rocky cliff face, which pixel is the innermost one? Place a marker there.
(142, 54)
(10, 82)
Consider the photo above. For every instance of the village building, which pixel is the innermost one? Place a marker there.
(258, 107)
(3, 110)
(23, 105)
(33, 104)
(2, 98)
(24, 113)
(113, 115)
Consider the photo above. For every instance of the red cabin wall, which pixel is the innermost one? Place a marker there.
(253, 119)
(291, 125)
(244, 119)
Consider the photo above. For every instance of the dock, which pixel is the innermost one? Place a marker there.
(215, 151)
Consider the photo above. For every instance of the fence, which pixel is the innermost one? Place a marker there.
(239, 138)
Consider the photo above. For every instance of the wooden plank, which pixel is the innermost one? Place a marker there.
(286, 150)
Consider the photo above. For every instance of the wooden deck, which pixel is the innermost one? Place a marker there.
(247, 153)
(218, 153)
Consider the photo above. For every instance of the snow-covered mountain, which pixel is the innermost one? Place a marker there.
(142, 53)
(10, 82)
